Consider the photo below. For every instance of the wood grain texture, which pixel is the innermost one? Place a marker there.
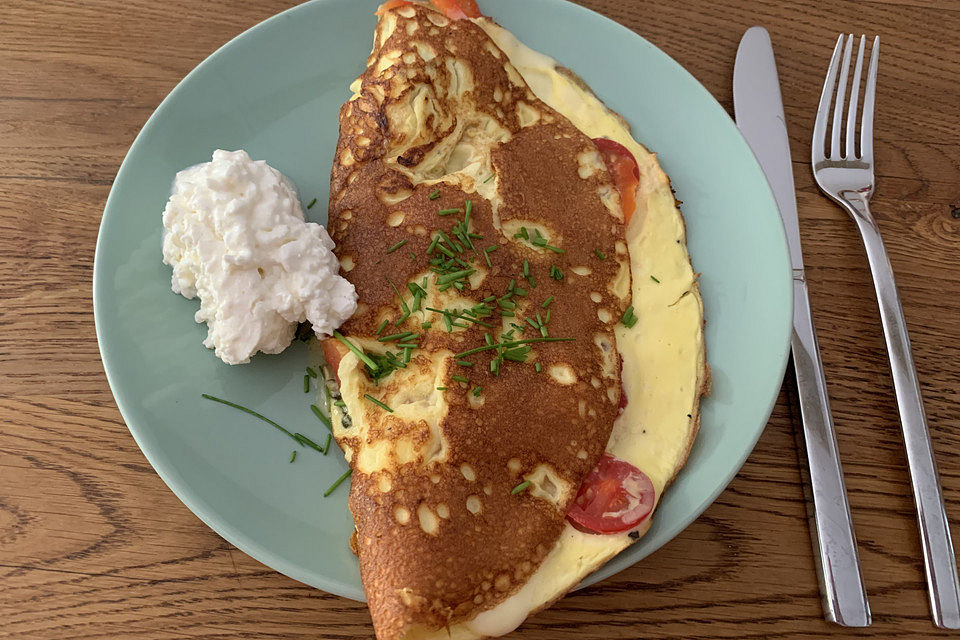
(93, 545)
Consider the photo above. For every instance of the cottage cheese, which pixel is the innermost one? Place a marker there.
(236, 238)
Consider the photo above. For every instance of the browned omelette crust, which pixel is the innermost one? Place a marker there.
(441, 537)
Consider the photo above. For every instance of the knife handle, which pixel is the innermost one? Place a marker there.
(831, 525)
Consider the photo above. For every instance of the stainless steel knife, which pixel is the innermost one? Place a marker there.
(759, 110)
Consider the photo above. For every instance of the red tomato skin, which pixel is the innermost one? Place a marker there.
(470, 8)
(333, 352)
(450, 8)
(605, 489)
(625, 172)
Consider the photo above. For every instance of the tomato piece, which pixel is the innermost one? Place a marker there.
(614, 497)
(391, 4)
(450, 8)
(333, 352)
(625, 173)
(470, 8)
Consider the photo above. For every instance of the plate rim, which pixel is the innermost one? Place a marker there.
(264, 554)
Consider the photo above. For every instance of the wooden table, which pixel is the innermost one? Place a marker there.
(93, 545)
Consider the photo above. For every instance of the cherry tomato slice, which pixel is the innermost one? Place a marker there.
(391, 4)
(614, 497)
(625, 173)
(470, 8)
(450, 8)
(333, 352)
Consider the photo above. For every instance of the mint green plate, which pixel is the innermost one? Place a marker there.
(275, 91)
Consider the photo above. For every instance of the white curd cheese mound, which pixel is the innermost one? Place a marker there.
(237, 238)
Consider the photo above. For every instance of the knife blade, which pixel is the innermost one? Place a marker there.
(759, 113)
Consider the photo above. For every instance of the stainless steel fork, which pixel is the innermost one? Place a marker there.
(846, 175)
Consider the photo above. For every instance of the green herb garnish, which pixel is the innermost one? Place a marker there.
(397, 246)
(477, 391)
(310, 206)
(306, 383)
(629, 318)
(357, 351)
(311, 372)
(599, 254)
(320, 416)
(377, 402)
(435, 195)
(250, 411)
(460, 379)
(383, 325)
(337, 483)
(546, 303)
(555, 273)
(654, 279)
(447, 212)
(492, 175)
(520, 487)
(293, 455)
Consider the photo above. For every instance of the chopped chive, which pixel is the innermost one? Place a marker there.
(306, 383)
(339, 403)
(320, 415)
(442, 249)
(435, 195)
(459, 379)
(383, 325)
(408, 345)
(599, 254)
(447, 212)
(357, 351)
(311, 372)
(526, 268)
(396, 336)
(492, 247)
(654, 279)
(477, 391)
(293, 455)
(406, 355)
(556, 273)
(441, 388)
(486, 256)
(546, 318)
(508, 314)
(520, 487)
(537, 366)
(433, 245)
(456, 275)
(337, 483)
(532, 323)
(377, 402)
(629, 318)
(490, 178)
(246, 410)
(550, 247)
(511, 343)
(464, 363)
(546, 303)
(305, 441)
(467, 208)
(397, 246)
(310, 206)
(326, 445)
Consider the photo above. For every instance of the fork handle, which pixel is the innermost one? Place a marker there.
(938, 555)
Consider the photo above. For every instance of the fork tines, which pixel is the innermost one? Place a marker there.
(842, 68)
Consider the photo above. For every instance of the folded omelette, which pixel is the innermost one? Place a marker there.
(521, 379)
